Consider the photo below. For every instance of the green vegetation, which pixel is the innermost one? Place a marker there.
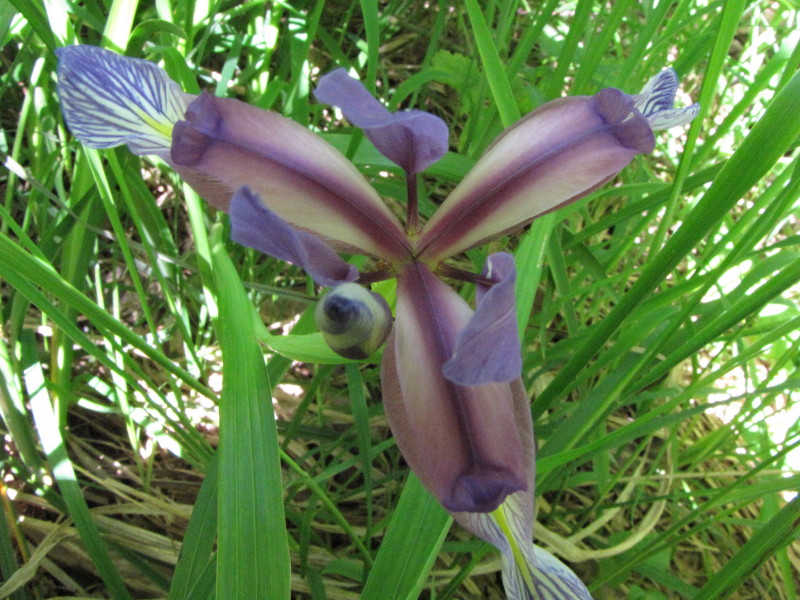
(660, 315)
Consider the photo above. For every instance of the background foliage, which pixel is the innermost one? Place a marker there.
(660, 315)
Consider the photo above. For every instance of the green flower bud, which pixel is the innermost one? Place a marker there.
(354, 321)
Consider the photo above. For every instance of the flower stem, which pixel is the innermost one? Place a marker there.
(412, 206)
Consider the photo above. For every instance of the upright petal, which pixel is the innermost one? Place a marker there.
(463, 442)
(254, 225)
(109, 100)
(412, 139)
(488, 349)
(224, 144)
(558, 153)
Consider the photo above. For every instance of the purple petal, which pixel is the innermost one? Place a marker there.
(413, 139)
(518, 506)
(109, 100)
(555, 155)
(464, 443)
(224, 144)
(488, 349)
(254, 225)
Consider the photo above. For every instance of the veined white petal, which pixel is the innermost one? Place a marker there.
(552, 579)
(658, 93)
(529, 572)
(541, 577)
(674, 117)
(109, 100)
(656, 99)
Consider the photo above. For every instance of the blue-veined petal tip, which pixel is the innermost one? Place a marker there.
(553, 579)
(532, 573)
(656, 100)
(108, 100)
(529, 572)
(674, 117)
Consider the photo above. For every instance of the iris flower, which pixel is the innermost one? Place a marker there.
(450, 375)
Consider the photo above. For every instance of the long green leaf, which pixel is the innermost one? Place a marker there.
(410, 546)
(44, 276)
(493, 66)
(194, 576)
(253, 556)
(35, 15)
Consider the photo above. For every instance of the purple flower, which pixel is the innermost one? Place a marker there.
(450, 374)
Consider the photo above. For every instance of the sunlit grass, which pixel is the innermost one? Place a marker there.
(660, 315)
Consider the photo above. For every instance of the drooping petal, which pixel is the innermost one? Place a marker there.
(354, 321)
(254, 225)
(224, 144)
(529, 572)
(462, 442)
(413, 139)
(517, 508)
(557, 154)
(488, 349)
(656, 99)
(109, 100)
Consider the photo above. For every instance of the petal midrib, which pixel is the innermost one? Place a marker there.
(389, 226)
(472, 205)
(441, 348)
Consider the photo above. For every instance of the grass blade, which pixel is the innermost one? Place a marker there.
(492, 65)
(766, 143)
(54, 446)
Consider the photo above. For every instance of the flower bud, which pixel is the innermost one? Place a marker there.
(354, 321)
